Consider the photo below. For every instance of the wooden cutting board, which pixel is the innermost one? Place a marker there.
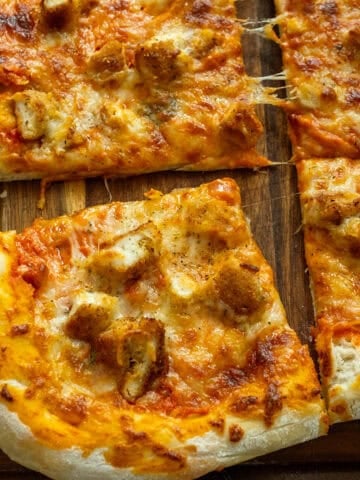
(271, 203)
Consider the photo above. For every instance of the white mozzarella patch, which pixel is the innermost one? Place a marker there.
(128, 252)
(130, 79)
(350, 227)
(58, 322)
(182, 285)
(92, 300)
(179, 34)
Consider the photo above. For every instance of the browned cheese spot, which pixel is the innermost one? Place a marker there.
(19, 329)
(236, 433)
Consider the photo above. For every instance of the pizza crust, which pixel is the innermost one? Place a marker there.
(213, 451)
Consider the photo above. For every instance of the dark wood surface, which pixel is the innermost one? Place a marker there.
(271, 203)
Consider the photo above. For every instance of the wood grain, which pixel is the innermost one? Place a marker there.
(271, 203)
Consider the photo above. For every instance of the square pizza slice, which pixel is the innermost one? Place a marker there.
(330, 198)
(110, 87)
(147, 340)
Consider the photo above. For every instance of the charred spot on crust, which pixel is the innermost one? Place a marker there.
(236, 433)
(218, 424)
(5, 394)
(273, 403)
(164, 459)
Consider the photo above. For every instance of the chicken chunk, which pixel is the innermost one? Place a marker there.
(106, 63)
(158, 61)
(91, 314)
(136, 349)
(241, 126)
(239, 286)
(31, 112)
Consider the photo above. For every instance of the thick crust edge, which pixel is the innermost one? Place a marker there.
(213, 451)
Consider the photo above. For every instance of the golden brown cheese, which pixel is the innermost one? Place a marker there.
(190, 346)
(330, 197)
(320, 42)
(118, 88)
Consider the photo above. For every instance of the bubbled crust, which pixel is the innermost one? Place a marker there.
(320, 43)
(109, 88)
(330, 197)
(231, 383)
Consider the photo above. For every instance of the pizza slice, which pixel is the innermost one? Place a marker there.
(320, 42)
(147, 340)
(330, 197)
(109, 87)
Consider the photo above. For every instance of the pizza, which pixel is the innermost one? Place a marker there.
(320, 42)
(120, 87)
(320, 45)
(331, 217)
(147, 340)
